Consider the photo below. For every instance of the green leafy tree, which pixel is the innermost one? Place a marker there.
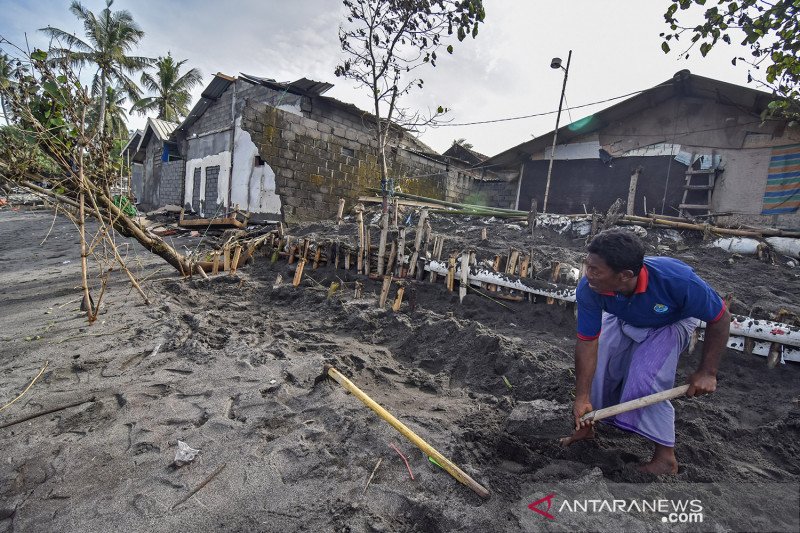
(385, 41)
(53, 118)
(172, 91)
(771, 29)
(111, 36)
(5, 75)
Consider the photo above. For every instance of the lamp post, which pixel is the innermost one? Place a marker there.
(555, 64)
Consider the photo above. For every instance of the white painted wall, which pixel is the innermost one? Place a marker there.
(223, 160)
(253, 186)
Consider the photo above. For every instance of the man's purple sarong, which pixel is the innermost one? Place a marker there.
(634, 362)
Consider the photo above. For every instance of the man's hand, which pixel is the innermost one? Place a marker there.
(580, 408)
(701, 382)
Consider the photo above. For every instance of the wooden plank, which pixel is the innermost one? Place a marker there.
(211, 223)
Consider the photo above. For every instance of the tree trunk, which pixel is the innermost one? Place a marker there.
(125, 225)
(5, 111)
(103, 95)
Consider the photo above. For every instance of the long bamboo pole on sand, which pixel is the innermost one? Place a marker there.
(429, 450)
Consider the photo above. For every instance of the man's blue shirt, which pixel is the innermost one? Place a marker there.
(667, 290)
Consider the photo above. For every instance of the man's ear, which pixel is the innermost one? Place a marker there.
(626, 275)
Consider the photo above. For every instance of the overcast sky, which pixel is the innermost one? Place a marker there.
(505, 72)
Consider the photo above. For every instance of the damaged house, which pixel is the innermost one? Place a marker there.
(156, 167)
(284, 150)
(691, 145)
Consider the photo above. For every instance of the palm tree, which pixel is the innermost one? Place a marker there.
(172, 91)
(109, 38)
(115, 122)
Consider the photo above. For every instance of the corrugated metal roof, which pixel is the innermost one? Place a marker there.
(162, 128)
(218, 85)
(210, 94)
(133, 142)
(682, 83)
(303, 86)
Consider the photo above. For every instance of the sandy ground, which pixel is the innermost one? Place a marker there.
(233, 367)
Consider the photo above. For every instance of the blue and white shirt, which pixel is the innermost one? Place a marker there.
(667, 291)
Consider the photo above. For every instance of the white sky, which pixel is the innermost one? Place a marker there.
(505, 72)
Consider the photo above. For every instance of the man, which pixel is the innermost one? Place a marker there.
(636, 315)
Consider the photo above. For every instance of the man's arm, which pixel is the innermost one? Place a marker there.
(704, 380)
(585, 365)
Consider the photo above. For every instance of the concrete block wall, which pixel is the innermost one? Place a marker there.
(331, 153)
(171, 189)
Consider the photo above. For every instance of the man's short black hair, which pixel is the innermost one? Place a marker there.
(620, 249)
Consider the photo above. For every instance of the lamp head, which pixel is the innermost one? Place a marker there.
(555, 62)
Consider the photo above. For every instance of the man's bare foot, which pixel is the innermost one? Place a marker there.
(659, 467)
(585, 433)
(662, 463)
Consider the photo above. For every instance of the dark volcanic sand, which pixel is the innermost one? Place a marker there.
(237, 375)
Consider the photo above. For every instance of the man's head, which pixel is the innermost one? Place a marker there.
(615, 259)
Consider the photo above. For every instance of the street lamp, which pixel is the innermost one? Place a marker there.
(556, 64)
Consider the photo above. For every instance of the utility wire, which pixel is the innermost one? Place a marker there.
(538, 114)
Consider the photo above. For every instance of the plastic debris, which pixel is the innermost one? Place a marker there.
(185, 453)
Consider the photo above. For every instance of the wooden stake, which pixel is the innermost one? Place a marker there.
(340, 212)
(426, 240)
(523, 266)
(387, 283)
(358, 289)
(438, 244)
(392, 256)
(511, 267)
(317, 256)
(347, 260)
(532, 216)
(412, 266)
(423, 216)
(292, 251)
(451, 273)
(335, 255)
(401, 251)
(382, 242)
(306, 245)
(496, 268)
(298, 274)
(462, 287)
(360, 222)
(555, 270)
(235, 262)
(215, 268)
(484, 234)
(774, 354)
(399, 298)
(367, 253)
(226, 251)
